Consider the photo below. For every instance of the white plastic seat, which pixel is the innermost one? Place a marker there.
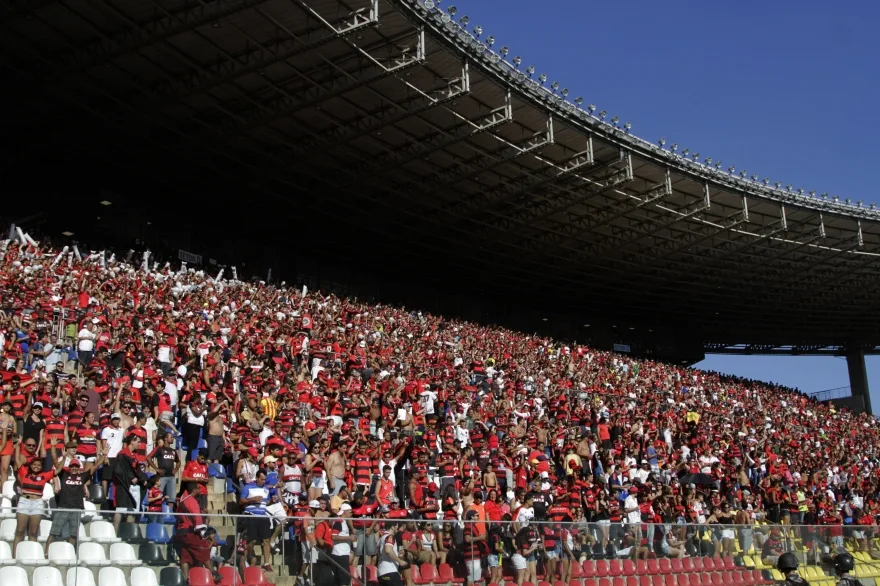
(6, 558)
(9, 489)
(103, 532)
(122, 554)
(45, 527)
(111, 577)
(80, 577)
(143, 577)
(30, 553)
(7, 529)
(47, 576)
(6, 508)
(92, 554)
(83, 536)
(48, 492)
(90, 512)
(62, 553)
(13, 576)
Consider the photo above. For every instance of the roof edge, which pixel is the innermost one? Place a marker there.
(495, 64)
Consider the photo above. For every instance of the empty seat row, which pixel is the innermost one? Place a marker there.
(76, 576)
(725, 578)
(100, 531)
(603, 568)
(62, 553)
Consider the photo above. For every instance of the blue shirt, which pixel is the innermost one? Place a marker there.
(251, 490)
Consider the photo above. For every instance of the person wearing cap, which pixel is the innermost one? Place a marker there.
(34, 425)
(111, 445)
(343, 538)
(73, 486)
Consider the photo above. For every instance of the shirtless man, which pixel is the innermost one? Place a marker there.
(216, 433)
(336, 469)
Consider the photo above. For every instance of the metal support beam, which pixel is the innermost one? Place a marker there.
(420, 101)
(104, 50)
(317, 92)
(252, 60)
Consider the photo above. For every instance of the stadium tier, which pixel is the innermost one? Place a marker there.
(162, 424)
(184, 398)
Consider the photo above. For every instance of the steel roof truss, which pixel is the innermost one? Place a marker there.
(421, 101)
(249, 61)
(317, 92)
(108, 48)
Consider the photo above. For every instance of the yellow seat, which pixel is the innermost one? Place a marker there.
(813, 572)
(749, 562)
(777, 575)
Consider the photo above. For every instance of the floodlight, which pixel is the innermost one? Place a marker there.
(836, 199)
(766, 181)
(490, 40)
(615, 120)
(578, 100)
(591, 108)
(555, 85)
(859, 203)
(674, 147)
(452, 10)
(788, 187)
(478, 30)
(825, 195)
(464, 20)
(685, 152)
(696, 156)
(777, 184)
(718, 165)
(847, 200)
(873, 206)
(812, 193)
(708, 160)
(603, 114)
(516, 60)
(429, 4)
(504, 51)
(530, 70)
(661, 142)
(754, 177)
(564, 92)
(542, 78)
(628, 125)
(800, 191)
(731, 169)
(742, 174)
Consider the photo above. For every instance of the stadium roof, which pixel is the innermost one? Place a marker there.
(392, 115)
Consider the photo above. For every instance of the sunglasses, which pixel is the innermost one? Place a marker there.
(30, 445)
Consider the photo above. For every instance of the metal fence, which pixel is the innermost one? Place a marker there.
(357, 550)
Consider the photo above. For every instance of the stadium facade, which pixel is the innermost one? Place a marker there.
(395, 144)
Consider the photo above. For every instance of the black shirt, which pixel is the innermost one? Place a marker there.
(33, 428)
(165, 458)
(72, 491)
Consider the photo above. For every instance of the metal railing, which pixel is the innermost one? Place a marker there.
(433, 551)
(829, 394)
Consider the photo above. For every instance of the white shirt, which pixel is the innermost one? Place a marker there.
(86, 340)
(524, 515)
(113, 435)
(630, 502)
(342, 547)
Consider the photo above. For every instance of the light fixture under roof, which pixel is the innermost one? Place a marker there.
(67, 233)
(543, 319)
(106, 203)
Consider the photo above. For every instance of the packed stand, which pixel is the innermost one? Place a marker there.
(491, 453)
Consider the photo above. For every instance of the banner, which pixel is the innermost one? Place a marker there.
(622, 348)
(189, 257)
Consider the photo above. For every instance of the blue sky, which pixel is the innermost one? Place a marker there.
(788, 90)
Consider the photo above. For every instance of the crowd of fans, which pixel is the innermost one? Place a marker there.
(322, 408)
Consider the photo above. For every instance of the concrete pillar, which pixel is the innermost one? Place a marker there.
(858, 380)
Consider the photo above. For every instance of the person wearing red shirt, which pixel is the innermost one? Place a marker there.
(197, 471)
(31, 480)
(193, 539)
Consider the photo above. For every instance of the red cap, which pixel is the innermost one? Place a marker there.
(74, 462)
